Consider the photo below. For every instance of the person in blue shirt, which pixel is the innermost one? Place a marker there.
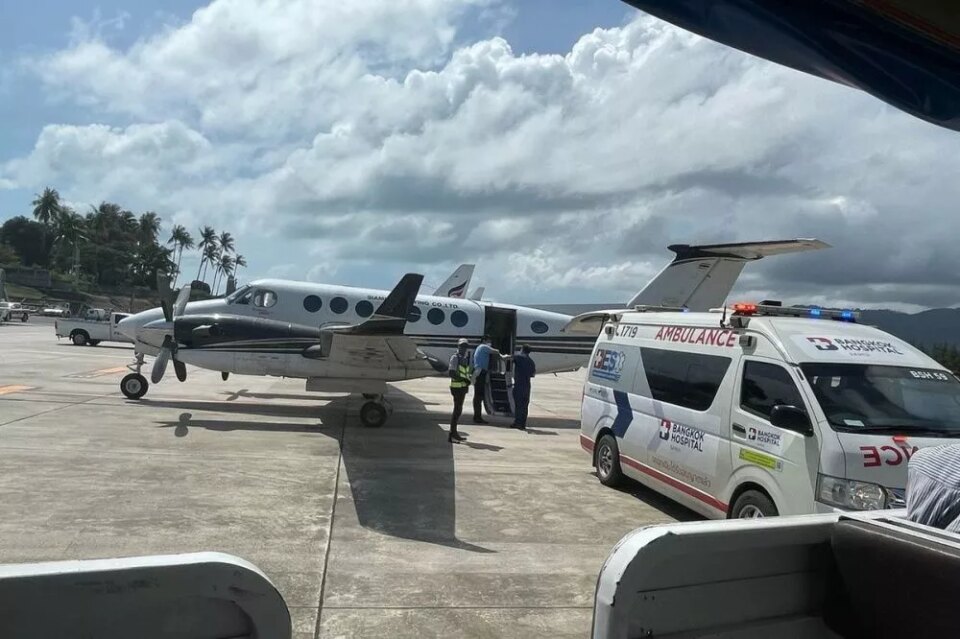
(482, 366)
(523, 371)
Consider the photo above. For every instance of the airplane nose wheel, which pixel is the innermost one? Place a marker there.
(373, 414)
(134, 386)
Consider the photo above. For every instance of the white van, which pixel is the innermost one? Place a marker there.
(761, 410)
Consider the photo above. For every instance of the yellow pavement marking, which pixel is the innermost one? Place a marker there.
(14, 388)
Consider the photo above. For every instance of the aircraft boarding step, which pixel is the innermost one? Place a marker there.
(499, 398)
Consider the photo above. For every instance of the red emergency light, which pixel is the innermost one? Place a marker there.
(744, 309)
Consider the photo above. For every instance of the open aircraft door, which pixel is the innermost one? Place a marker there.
(501, 325)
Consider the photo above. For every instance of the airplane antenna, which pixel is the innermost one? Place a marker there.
(723, 318)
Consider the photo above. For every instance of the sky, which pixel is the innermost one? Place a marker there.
(560, 146)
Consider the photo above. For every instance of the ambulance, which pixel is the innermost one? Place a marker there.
(758, 410)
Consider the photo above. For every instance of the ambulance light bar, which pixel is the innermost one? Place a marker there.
(843, 315)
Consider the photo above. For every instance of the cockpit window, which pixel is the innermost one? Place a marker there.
(241, 296)
(264, 298)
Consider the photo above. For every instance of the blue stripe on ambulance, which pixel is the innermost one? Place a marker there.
(624, 414)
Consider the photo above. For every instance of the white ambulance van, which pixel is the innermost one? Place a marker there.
(761, 410)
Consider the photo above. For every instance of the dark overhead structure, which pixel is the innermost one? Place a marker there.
(905, 52)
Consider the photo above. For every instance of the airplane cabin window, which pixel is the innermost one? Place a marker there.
(364, 308)
(436, 316)
(338, 305)
(539, 327)
(415, 315)
(459, 319)
(312, 303)
(264, 298)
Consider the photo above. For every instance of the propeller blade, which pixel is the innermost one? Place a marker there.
(180, 369)
(224, 375)
(182, 299)
(160, 365)
(163, 290)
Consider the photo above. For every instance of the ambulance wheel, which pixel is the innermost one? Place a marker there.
(79, 338)
(753, 504)
(608, 461)
(373, 415)
(134, 386)
(370, 395)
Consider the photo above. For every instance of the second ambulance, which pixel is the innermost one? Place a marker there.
(762, 410)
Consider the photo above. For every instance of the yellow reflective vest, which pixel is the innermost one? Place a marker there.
(464, 370)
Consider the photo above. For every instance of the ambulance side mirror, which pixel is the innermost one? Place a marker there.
(791, 418)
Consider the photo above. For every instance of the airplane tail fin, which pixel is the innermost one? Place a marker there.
(701, 277)
(456, 285)
(478, 293)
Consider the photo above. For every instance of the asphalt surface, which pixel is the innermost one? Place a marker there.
(366, 532)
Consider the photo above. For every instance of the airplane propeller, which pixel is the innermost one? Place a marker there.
(168, 350)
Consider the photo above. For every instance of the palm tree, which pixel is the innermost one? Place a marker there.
(208, 238)
(149, 227)
(180, 238)
(226, 242)
(46, 206)
(224, 268)
(71, 229)
(211, 255)
(238, 261)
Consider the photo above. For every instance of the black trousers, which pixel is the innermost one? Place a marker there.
(479, 390)
(459, 394)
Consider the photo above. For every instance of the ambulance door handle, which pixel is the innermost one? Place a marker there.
(739, 430)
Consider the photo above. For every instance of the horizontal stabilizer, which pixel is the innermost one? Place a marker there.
(478, 293)
(700, 277)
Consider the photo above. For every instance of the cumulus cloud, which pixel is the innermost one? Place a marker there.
(369, 132)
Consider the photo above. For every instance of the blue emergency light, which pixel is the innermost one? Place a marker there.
(847, 315)
(814, 312)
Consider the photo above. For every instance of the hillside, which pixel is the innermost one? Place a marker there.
(934, 326)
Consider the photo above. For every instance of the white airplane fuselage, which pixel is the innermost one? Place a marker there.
(435, 324)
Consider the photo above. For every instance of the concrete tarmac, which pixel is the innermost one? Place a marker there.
(366, 532)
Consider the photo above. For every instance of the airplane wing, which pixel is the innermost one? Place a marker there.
(456, 285)
(379, 341)
(904, 52)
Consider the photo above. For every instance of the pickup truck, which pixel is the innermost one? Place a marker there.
(93, 327)
(10, 311)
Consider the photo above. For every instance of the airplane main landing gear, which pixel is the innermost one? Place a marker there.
(374, 413)
(134, 385)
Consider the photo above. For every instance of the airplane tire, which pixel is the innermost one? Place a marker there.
(24, 317)
(134, 386)
(373, 415)
(79, 338)
(608, 461)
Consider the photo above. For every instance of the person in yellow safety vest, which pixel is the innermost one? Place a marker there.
(461, 372)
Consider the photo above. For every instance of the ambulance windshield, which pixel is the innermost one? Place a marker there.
(865, 398)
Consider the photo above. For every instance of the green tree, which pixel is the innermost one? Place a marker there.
(46, 206)
(8, 257)
(226, 242)
(181, 239)
(208, 238)
(223, 268)
(70, 231)
(149, 227)
(27, 238)
(238, 262)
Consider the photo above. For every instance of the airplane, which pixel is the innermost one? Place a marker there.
(356, 340)
(456, 285)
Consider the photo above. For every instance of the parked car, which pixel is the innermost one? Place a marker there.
(10, 311)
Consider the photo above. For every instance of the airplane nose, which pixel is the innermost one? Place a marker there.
(128, 327)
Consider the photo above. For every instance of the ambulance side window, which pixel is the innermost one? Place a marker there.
(765, 386)
(690, 380)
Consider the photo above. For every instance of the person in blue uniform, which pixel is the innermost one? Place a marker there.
(523, 371)
(483, 363)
